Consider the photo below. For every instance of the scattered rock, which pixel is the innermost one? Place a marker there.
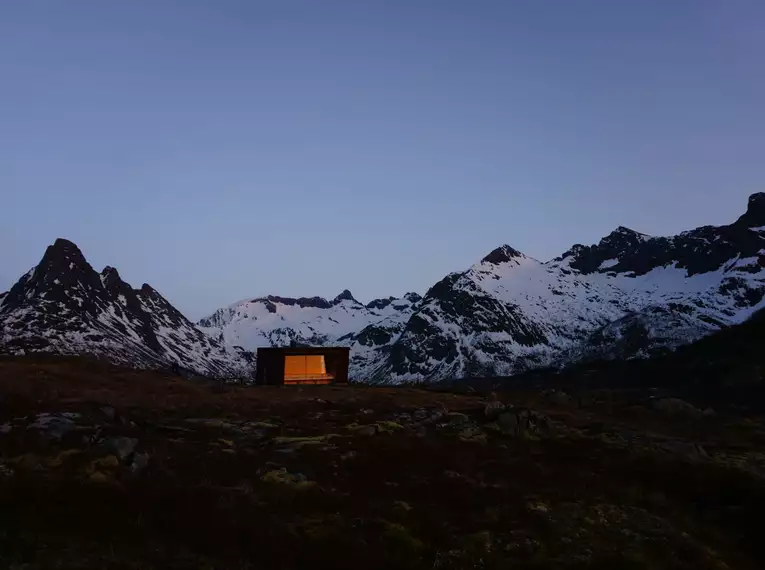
(472, 434)
(421, 414)
(524, 423)
(493, 409)
(55, 426)
(226, 442)
(402, 506)
(5, 428)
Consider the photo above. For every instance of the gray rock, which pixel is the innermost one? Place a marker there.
(558, 398)
(457, 419)
(421, 414)
(366, 430)
(687, 449)
(508, 421)
(523, 422)
(109, 412)
(122, 447)
(676, 407)
(493, 410)
(140, 462)
(55, 426)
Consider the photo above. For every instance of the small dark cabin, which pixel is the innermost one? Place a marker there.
(302, 365)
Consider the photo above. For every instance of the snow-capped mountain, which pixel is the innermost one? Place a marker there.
(629, 295)
(64, 306)
(344, 321)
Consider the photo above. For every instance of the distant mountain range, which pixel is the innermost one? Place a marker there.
(629, 296)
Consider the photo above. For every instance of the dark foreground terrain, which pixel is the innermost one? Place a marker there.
(102, 467)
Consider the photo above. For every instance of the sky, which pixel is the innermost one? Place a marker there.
(226, 150)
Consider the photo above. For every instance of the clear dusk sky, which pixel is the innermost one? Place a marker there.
(227, 149)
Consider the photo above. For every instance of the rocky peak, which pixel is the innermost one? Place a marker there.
(110, 277)
(413, 297)
(624, 237)
(64, 249)
(302, 302)
(755, 211)
(380, 303)
(501, 254)
(344, 296)
(61, 259)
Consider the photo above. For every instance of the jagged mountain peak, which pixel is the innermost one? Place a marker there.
(380, 303)
(413, 297)
(755, 211)
(63, 255)
(502, 254)
(302, 302)
(624, 236)
(346, 295)
(65, 306)
(111, 277)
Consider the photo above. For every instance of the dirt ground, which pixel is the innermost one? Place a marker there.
(104, 467)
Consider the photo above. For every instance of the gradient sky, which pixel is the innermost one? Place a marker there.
(224, 150)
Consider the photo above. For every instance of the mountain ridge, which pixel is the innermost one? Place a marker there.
(629, 295)
(510, 312)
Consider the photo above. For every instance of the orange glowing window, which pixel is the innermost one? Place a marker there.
(309, 368)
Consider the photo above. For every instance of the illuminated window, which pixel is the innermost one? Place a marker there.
(306, 368)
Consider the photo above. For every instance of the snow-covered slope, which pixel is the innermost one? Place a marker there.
(64, 306)
(629, 295)
(281, 321)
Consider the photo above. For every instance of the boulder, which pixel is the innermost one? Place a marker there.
(676, 407)
(493, 410)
